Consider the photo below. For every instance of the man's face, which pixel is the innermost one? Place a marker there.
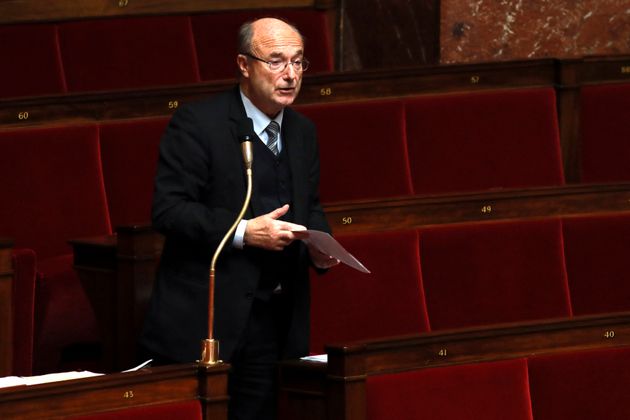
(270, 91)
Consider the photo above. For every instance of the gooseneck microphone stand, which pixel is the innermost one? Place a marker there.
(210, 346)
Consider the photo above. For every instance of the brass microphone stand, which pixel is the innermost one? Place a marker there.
(210, 346)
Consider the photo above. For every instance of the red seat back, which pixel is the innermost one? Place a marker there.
(604, 128)
(30, 61)
(128, 53)
(486, 391)
(581, 385)
(349, 305)
(597, 250)
(362, 150)
(484, 140)
(52, 188)
(488, 273)
(129, 150)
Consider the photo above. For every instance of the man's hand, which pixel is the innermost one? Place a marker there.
(269, 233)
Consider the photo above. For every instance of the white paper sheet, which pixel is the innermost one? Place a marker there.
(44, 379)
(327, 245)
(9, 381)
(321, 358)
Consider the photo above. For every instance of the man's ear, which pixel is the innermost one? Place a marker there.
(242, 63)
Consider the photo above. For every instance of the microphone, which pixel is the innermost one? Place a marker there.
(210, 346)
(246, 137)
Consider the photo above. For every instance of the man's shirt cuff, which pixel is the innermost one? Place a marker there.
(239, 235)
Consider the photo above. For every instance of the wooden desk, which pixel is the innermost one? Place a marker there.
(146, 387)
(117, 273)
(337, 389)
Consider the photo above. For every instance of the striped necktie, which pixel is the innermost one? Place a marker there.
(272, 131)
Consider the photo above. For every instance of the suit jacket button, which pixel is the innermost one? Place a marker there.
(249, 294)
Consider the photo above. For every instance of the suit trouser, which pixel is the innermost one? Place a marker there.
(252, 378)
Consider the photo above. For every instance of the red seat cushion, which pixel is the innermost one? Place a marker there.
(597, 250)
(363, 153)
(488, 273)
(349, 305)
(604, 129)
(30, 61)
(215, 37)
(129, 150)
(581, 385)
(485, 391)
(484, 140)
(128, 53)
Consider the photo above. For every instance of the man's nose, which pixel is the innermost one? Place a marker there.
(289, 72)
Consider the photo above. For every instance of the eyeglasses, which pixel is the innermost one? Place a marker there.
(278, 66)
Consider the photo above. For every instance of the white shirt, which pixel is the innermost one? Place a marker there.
(261, 121)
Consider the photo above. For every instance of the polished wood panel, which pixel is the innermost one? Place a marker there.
(14, 11)
(146, 387)
(417, 211)
(6, 307)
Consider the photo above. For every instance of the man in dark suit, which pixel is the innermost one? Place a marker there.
(262, 288)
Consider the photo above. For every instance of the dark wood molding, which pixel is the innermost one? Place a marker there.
(417, 211)
(21, 11)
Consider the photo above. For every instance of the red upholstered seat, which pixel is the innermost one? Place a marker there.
(362, 150)
(185, 410)
(488, 273)
(604, 129)
(597, 250)
(487, 391)
(217, 49)
(128, 53)
(581, 385)
(30, 61)
(52, 191)
(484, 140)
(349, 305)
(129, 151)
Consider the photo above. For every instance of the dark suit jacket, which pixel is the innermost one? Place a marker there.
(200, 186)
